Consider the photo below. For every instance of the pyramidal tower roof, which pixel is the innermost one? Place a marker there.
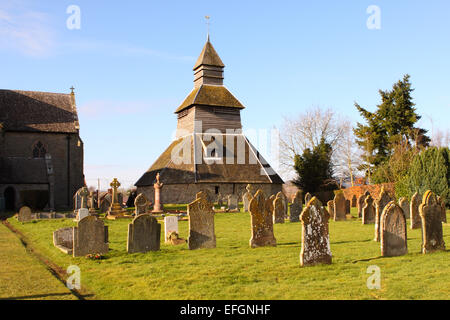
(209, 57)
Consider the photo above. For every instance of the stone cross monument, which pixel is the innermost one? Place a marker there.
(157, 186)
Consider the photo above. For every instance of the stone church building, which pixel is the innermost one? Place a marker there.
(209, 153)
(41, 152)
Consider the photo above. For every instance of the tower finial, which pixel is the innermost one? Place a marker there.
(72, 89)
(207, 23)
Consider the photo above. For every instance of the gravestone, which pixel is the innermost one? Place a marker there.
(369, 211)
(63, 240)
(278, 210)
(404, 204)
(296, 207)
(105, 204)
(444, 210)
(247, 197)
(339, 207)
(416, 221)
(82, 213)
(431, 215)
(144, 234)
(315, 235)
(285, 203)
(24, 214)
(360, 204)
(393, 231)
(308, 197)
(90, 236)
(233, 202)
(367, 193)
(354, 201)
(261, 221)
(330, 205)
(347, 206)
(170, 225)
(77, 200)
(219, 200)
(201, 223)
(92, 203)
(84, 193)
(131, 199)
(140, 204)
(382, 202)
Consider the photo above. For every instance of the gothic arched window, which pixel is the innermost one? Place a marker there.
(39, 150)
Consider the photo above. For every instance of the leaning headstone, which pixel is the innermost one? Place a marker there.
(24, 214)
(201, 223)
(144, 234)
(382, 201)
(339, 207)
(404, 204)
(296, 207)
(416, 221)
(140, 204)
(360, 205)
(233, 202)
(368, 211)
(261, 221)
(444, 210)
(170, 225)
(82, 213)
(315, 235)
(431, 215)
(308, 197)
(278, 210)
(393, 231)
(90, 236)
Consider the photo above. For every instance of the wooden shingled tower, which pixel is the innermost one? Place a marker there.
(217, 157)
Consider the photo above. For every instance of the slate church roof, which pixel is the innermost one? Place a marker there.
(38, 112)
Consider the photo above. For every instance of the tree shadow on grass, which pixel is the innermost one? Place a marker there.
(343, 242)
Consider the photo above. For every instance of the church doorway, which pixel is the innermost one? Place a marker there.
(10, 199)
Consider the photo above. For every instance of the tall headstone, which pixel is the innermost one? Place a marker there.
(24, 214)
(315, 235)
(444, 210)
(170, 225)
(393, 231)
(233, 204)
(92, 203)
(360, 204)
(201, 223)
(90, 236)
(368, 211)
(247, 197)
(404, 204)
(84, 193)
(77, 200)
(382, 202)
(347, 206)
(431, 215)
(296, 207)
(278, 210)
(157, 207)
(308, 197)
(339, 207)
(354, 201)
(285, 203)
(144, 234)
(105, 205)
(140, 204)
(416, 221)
(116, 208)
(261, 221)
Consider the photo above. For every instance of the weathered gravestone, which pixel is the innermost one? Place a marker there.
(219, 199)
(92, 203)
(330, 205)
(77, 200)
(170, 225)
(285, 203)
(368, 211)
(431, 215)
(444, 210)
(247, 197)
(278, 210)
(144, 234)
(416, 221)
(261, 221)
(360, 205)
(24, 214)
(339, 207)
(347, 206)
(382, 202)
(140, 204)
(315, 235)
(82, 213)
(354, 201)
(393, 231)
(233, 204)
(404, 204)
(105, 204)
(201, 223)
(296, 207)
(308, 197)
(90, 236)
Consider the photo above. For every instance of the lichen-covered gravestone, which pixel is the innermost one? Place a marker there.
(170, 225)
(431, 215)
(144, 234)
(382, 202)
(140, 204)
(393, 231)
(285, 203)
(368, 211)
(339, 207)
(404, 204)
(201, 223)
(90, 236)
(308, 197)
(360, 204)
(105, 204)
(261, 221)
(232, 202)
(296, 207)
(315, 235)
(278, 210)
(444, 210)
(24, 214)
(416, 222)
(330, 205)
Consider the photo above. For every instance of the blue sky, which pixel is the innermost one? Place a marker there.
(131, 63)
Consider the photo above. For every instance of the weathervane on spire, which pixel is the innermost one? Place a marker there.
(207, 23)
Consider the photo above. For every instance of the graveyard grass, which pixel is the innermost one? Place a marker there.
(235, 271)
